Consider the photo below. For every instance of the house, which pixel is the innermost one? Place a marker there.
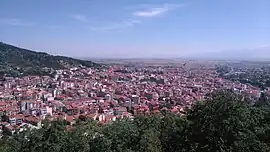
(11, 129)
(19, 119)
(135, 99)
(119, 110)
(109, 118)
(92, 116)
(101, 117)
(12, 120)
(70, 120)
(35, 121)
(71, 110)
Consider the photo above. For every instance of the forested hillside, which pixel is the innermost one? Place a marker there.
(15, 61)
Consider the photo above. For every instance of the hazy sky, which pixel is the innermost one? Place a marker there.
(135, 28)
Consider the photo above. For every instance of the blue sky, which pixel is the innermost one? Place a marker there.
(135, 28)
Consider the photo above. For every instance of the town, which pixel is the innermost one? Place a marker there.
(107, 95)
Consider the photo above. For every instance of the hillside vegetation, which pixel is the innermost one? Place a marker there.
(15, 61)
(224, 123)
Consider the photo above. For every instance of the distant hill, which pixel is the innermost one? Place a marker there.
(15, 61)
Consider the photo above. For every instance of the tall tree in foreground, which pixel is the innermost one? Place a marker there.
(225, 123)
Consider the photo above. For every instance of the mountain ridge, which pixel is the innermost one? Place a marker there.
(16, 61)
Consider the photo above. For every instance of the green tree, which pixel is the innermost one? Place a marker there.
(224, 123)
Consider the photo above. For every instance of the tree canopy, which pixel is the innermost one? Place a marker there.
(224, 123)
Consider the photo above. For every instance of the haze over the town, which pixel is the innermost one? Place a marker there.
(141, 28)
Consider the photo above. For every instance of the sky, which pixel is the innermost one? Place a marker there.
(135, 28)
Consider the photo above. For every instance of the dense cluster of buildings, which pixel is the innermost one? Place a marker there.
(106, 95)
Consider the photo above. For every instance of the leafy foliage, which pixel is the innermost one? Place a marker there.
(224, 123)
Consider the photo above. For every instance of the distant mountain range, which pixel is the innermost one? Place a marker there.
(262, 53)
(15, 61)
